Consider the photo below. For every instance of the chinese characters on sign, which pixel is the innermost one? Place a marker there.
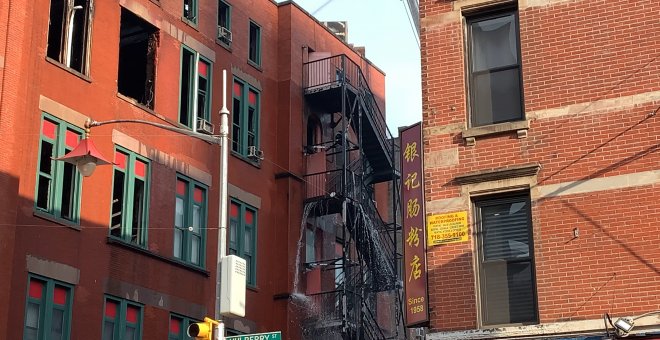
(447, 228)
(412, 196)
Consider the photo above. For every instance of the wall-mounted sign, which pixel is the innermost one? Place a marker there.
(447, 228)
(414, 236)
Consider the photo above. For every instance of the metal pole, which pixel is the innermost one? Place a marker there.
(222, 207)
(218, 331)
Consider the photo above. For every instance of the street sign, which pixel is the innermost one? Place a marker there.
(261, 336)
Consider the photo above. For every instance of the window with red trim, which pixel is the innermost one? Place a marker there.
(245, 119)
(58, 186)
(178, 326)
(195, 96)
(243, 236)
(48, 309)
(190, 218)
(130, 203)
(122, 319)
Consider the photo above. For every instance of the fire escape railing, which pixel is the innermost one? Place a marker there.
(332, 71)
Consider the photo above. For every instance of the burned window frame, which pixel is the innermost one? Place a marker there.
(132, 48)
(122, 219)
(61, 30)
(53, 194)
(189, 89)
(193, 14)
(224, 14)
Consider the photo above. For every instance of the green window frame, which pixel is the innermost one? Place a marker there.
(58, 185)
(243, 236)
(195, 88)
(47, 309)
(130, 197)
(190, 11)
(254, 44)
(190, 221)
(224, 21)
(122, 319)
(245, 118)
(178, 326)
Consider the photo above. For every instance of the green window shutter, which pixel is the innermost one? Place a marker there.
(122, 319)
(245, 121)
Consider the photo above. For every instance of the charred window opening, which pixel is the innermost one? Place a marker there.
(69, 32)
(137, 58)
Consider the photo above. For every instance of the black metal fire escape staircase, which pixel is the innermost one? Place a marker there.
(337, 86)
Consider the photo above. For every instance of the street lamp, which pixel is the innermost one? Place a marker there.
(86, 157)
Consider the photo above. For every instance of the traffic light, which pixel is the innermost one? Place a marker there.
(202, 330)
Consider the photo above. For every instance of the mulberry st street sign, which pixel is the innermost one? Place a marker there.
(412, 197)
(261, 336)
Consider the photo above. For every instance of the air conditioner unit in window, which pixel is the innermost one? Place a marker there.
(204, 126)
(254, 153)
(224, 34)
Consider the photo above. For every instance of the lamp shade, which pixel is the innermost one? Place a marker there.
(85, 157)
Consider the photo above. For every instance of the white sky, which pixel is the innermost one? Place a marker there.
(383, 28)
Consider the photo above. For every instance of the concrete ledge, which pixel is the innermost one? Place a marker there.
(51, 269)
(498, 174)
(495, 129)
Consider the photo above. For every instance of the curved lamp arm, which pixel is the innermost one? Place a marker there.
(208, 138)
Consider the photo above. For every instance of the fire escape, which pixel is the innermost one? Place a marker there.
(355, 151)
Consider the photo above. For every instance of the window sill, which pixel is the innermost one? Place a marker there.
(190, 23)
(470, 134)
(181, 264)
(224, 45)
(246, 159)
(48, 217)
(70, 70)
(255, 65)
(133, 101)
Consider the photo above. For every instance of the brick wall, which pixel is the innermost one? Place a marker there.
(591, 77)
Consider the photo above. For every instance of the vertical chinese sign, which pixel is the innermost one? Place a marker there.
(412, 197)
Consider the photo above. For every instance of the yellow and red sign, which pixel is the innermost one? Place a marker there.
(414, 256)
(447, 228)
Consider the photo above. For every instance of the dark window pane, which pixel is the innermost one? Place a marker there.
(78, 40)
(117, 204)
(43, 193)
(57, 325)
(254, 43)
(236, 126)
(496, 97)
(201, 98)
(505, 231)
(494, 43)
(138, 211)
(45, 162)
(108, 330)
(223, 14)
(509, 293)
(55, 25)
(68, 191)
(187, 63)
(32, 321)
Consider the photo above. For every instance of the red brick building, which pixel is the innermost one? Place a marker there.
(131, 252)
(541, 124)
